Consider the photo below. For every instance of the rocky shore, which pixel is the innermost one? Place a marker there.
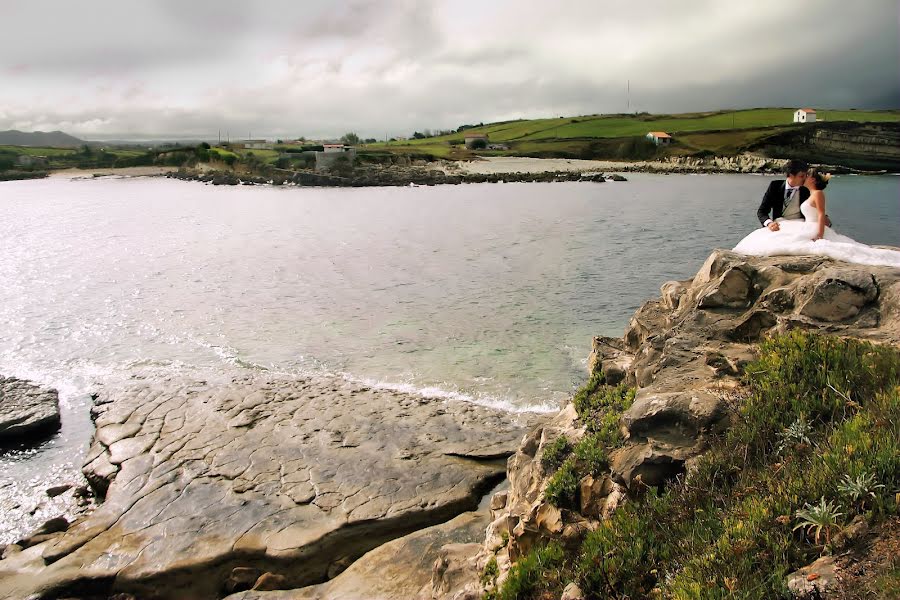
(274, 488)
(267, 482)
(685, 354)
(382, 176)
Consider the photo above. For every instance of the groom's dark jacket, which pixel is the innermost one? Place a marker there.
(773, 201)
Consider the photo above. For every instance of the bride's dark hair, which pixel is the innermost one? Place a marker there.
(821, 178)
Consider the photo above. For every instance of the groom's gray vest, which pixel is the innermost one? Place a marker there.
(792, 208)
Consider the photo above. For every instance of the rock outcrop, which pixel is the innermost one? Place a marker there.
(208, 484)
(26, 410)
(684, 352)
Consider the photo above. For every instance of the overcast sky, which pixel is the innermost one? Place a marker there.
(102, 69)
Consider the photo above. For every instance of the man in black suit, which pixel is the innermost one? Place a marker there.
(784, 196)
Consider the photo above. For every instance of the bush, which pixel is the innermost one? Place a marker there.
(539, 569)
(562, 489)
(738, 524)
(555, 453)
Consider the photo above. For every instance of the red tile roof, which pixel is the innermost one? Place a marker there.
(808, 109)
(660, 134)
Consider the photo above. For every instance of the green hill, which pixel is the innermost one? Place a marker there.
(620, 136)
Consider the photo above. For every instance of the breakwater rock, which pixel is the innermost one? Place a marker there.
(211, 487)
(381, 176)
(685, 354)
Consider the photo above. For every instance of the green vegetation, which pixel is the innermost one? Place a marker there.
(599, 407)
(621, 137)
(610, 126)
(555, 453)
(816, 443)
(542, 567)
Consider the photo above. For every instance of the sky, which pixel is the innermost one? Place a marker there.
(103, 69)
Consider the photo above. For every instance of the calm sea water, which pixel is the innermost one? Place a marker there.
(483, 293)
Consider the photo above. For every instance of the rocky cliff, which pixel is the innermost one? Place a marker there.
(685, 354)
(866, 146)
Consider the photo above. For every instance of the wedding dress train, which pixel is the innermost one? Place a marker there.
(796, 237)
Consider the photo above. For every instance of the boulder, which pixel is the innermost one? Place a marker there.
(26, 410)
(814, 580)
(732, 290)
(839, 294)
(675, 415)
(572, 592)
(647, 463)
(57, 490)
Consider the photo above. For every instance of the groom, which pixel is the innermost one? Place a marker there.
(784, 196)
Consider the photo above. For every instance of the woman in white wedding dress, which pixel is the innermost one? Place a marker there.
(811, 236)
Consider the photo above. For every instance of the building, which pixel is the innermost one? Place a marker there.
(336, 148)
(476, 140)
(32, 162)
(660, 138)
(253, 144)
(333, 155)
(805, 115)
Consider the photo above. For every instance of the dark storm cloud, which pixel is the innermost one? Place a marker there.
(321, 68)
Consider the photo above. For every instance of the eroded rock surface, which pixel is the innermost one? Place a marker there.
(397, 570)
(26, 410)
(296, 478)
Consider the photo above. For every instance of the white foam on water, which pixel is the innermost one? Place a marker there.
(430, 391)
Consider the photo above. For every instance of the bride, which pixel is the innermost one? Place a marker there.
(811, 236)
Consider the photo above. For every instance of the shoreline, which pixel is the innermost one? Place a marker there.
(485, 169)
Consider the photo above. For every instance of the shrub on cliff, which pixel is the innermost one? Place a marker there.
(739, 523)
(599, 407)
(815, 445)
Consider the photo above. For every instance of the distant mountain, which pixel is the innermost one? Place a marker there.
(57, 139)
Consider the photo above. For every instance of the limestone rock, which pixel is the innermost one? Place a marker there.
(839, 294)
(455, 575)
(731, 290)
(269, 582)
(57, 490)
(648, 463)
(674, 415)
(398, 570)
(572, 592)
(325, 471)
(26, 410)
(498, 500)
(813, 581)
(241, 578)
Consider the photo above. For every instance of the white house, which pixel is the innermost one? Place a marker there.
(660, 138)
(805, 115)
(335, 148)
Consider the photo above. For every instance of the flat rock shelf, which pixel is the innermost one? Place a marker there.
(296, 477)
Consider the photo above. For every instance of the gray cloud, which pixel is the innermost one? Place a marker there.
(320, 68)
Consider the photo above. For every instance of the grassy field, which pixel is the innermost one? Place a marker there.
(613, 136)
(598, 126)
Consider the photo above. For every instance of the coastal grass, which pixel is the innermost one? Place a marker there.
(816, 443)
